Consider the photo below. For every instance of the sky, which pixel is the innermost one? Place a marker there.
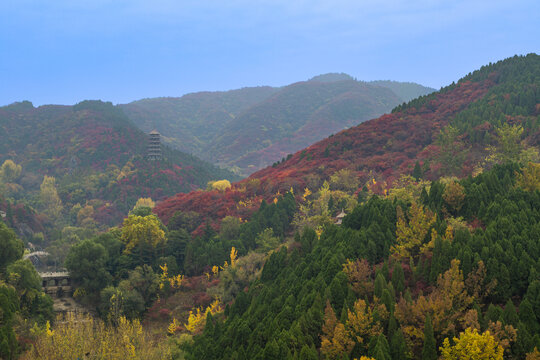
(66, 51)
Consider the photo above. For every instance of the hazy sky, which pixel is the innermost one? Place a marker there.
(65, 51)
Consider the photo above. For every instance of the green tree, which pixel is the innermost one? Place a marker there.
(429, 351)
(11, 248)
(87, 266)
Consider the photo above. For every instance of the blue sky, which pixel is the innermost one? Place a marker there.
(65, 51)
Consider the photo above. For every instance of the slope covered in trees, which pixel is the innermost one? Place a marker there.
(56, 157)
(488, 115)
(365, 288)
(250, 128)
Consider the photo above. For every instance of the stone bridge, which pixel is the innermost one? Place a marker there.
(56, 284)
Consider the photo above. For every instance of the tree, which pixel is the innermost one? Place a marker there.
(266, 240)
(9, 305)
(344, 179)
(49, 197)
(454, 194)
(452, 152)
(11, 247)
(141, 232)
(410, 234)
(429, 351)
(335, 342)
(9, 171)
(145, 202)
(472, 346)
(529, 179)
(86, 263)
(359, 274)
(220, 185)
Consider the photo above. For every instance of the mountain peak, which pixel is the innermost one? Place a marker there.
(331, 77)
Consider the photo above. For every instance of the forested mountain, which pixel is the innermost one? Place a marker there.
(89, 153)
(250, 128)
(450, 132)
(434, 254)
(191, 122)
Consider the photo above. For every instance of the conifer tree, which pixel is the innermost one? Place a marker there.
(429, 351)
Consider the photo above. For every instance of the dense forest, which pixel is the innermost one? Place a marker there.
(434, 254)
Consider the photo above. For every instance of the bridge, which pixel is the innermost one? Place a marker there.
(56, 284)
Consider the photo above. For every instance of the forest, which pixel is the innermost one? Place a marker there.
(437, 256)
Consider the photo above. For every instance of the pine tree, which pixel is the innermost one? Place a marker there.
(429, 351)
(398, 348)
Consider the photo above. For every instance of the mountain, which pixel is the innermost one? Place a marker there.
(446, 132)
(191, 122)
(250, 128)
(95, 155)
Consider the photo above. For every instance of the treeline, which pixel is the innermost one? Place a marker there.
(456, 267)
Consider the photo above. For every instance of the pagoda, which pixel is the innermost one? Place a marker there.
(154, 145)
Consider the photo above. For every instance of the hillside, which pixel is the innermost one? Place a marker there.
(250, 128)
(191, 122)
(382, 149)
(95, 155)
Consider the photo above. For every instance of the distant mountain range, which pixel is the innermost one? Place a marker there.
(250, 128)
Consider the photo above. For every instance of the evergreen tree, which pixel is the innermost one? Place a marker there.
(429, 351)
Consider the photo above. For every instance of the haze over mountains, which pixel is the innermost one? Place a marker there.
(250, 128)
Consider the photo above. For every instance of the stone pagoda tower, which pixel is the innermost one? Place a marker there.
(154, 145)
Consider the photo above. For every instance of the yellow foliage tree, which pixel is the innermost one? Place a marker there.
(173, 326)
(137, 230)
(49, 197)
(233, 256)
(359, 274)
(411, 234)
(145, 202)
(535, 355)
(220, 185)
(78, 336)
(9, 171)
(335, 340)
(360, 322)
(197, 318)
(472, 346)
(529, 179)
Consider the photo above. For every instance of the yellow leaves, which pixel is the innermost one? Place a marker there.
(319, 231)
(197, 318)
(275, 200)
(174, 282)
(360, 322)
(529, 179)
(535, 355)
(307, 192)
(359, 274)
(472, 345)
(215, 270)
(145, 202)
(233, 256)
(338, 339)
(220, 185)
(48, 330)
(411, 234)
(138, 230)
(173, 326)
(78, 336)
